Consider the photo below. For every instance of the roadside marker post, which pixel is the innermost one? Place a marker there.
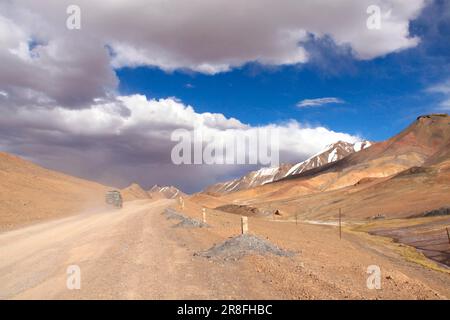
(244, 225)
(204, 215)
(182, 203)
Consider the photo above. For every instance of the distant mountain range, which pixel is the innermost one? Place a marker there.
(331, 153)
(404, 176)
(169, 192)
(136, 192)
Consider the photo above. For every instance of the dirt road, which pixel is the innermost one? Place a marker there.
(136, 253)
(124, 254)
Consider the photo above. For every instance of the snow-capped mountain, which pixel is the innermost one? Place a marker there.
(252, 179)
(333, 152)
(168, 192)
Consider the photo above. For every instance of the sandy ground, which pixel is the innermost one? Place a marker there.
(133, 253)
(136, 253)
(325, 266)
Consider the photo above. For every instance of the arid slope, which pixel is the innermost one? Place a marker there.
(30, 193)
(402, 176)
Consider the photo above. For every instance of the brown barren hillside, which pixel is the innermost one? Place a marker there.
(30, 193)
(399, 188)
(427, 138)
(134, 192)
(424, 143)
(331, 153)
(405, 194)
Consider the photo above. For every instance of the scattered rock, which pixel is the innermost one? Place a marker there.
(172, 214)
(185, 221)
(378, 217)
(414, 171)
(243, 210)
(277, 212)
(445, 211)
(190, 223)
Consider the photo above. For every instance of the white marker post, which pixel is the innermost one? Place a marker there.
(204, 215)
(181, 203)
(244, 225)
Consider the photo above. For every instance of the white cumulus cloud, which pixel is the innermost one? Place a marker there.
(128, 139)
(442, 89)
(42, 58)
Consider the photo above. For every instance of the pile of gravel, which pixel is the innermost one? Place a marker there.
(185, 221)
(240, 246)
(172, 214)
(190, 223)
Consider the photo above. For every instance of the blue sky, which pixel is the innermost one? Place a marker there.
(382, 96)
(101, 100)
